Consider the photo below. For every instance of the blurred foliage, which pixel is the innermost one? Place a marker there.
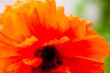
(102, 25)
(107, 61)
(80, 8)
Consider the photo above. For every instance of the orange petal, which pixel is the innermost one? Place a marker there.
(91, 47)
(83, 65)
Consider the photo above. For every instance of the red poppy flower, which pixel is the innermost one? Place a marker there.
(37, 37)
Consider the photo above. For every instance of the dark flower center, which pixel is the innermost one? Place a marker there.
(50, 57)
(48, 53)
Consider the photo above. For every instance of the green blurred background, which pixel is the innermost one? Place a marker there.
(97, 11)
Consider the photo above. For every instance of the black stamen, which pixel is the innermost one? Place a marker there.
(48, 53)
(50, 57)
